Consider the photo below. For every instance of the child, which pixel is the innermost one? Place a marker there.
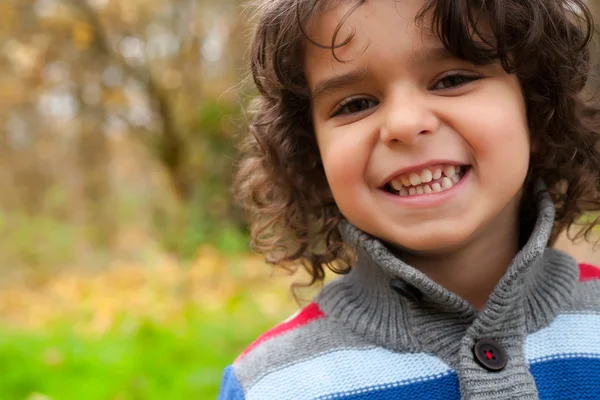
(432, 150)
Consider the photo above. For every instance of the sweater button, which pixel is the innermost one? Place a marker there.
(405, 290)
(490, 355)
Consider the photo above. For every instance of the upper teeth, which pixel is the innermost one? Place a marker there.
(426, 175)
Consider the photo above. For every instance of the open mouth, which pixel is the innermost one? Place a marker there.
(429, 180)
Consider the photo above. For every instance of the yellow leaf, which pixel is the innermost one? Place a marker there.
(82, 35)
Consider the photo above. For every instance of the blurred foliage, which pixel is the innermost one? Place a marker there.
(209, 216)
(40, 240)
(118, 106)
(117, 141)
(164, 331)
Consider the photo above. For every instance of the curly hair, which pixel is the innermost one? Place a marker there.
(281, 181)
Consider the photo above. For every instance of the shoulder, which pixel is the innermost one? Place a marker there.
(310, 314)
(304, 336)
(586, 294)
(311, 356)
(295, 349)
(571, 336)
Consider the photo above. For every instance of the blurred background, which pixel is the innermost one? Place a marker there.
(125, 271)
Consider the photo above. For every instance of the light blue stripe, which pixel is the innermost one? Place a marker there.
(347, 370)
(569, 335)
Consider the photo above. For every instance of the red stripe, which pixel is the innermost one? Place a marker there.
(588, 272)
(310, 313)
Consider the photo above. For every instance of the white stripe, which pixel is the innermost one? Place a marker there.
(347, 370)
(569, 335)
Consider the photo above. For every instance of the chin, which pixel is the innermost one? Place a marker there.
(427, 243)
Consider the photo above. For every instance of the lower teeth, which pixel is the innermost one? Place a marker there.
(441, 185)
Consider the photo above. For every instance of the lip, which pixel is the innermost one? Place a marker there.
(431, 199)
(417, 167)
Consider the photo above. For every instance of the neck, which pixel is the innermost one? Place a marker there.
(473, 270)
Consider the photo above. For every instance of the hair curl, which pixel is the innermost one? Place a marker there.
(281, 182)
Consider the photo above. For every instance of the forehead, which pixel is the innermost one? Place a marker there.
(380, 29)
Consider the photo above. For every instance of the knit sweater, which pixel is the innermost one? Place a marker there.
(387, 331)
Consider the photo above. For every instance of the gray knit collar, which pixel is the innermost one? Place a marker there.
(538, 283)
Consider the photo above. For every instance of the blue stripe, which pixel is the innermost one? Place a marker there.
(567, 378)
(444, 388)
(349, 371)
(230, 387)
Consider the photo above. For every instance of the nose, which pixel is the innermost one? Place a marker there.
(407, 117)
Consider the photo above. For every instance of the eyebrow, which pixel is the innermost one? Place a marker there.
(433, 54)
(338, 81)
(428, 55)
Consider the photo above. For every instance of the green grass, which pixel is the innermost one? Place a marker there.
(135, 360)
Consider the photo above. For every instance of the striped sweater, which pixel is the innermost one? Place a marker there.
(387, 331)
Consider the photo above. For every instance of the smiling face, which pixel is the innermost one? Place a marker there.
(420, 149)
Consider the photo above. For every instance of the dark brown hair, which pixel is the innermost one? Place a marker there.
(281, 181)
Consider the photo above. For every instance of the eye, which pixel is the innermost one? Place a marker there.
(354, 105)
(455, 80)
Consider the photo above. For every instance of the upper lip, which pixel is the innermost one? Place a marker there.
(417, 168)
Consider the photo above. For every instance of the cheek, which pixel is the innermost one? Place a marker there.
(508, 141)
(499, 131)
(344, 159)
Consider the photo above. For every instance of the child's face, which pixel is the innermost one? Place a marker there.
(404, 109)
